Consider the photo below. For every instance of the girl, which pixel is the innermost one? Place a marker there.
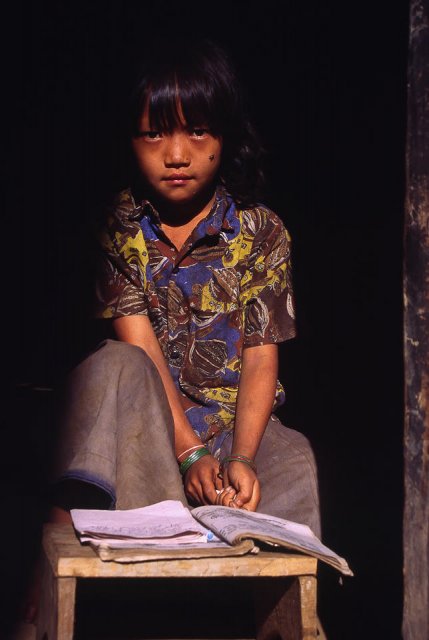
(195, 278)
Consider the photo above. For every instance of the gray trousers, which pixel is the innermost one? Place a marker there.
(117, 434)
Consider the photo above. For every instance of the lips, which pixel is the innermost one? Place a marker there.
(177, 177)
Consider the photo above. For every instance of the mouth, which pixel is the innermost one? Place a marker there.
(177, 178)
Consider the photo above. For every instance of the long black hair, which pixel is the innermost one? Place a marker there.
(198, 76)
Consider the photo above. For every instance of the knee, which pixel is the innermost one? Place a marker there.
(301, 444)
(287, 453)
(114, 353)
(114, 359)
(301, 447)
(284, 443)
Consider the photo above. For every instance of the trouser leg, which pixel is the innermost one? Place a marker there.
(118, 435)
(287, 474)
(117, 431)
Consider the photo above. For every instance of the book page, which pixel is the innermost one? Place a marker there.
(233, 525)
(167, 522)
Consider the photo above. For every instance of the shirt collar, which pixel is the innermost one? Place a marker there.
(215, 222)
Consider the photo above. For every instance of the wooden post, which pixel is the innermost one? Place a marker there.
(415, 625)
(286, 609)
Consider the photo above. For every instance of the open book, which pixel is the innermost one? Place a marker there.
(168, 529)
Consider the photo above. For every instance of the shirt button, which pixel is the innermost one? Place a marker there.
(174, 353)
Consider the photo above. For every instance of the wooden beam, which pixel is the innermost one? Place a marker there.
(415, 625)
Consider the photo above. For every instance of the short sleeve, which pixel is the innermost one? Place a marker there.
(121, 267)
(267, 293)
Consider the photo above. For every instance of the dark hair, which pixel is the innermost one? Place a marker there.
(199, 76)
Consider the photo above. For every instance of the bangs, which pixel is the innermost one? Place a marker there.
(180, 84)
(176, 98)
(190, 82)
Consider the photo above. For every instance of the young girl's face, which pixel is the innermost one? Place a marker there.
(180, 166)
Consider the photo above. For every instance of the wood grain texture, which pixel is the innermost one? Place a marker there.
(57, 608)
(287, 610)
(69, 558)
(416, 332)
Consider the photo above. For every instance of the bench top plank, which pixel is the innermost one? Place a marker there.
(69, 558)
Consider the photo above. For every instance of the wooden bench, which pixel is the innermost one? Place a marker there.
(285, 606)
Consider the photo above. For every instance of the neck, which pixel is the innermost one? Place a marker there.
(181, 214)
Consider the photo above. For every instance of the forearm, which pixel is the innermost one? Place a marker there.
(201, 478)
(255, 398)
(256, 394)
(137, 330)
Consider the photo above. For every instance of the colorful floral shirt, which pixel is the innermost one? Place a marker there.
(228, 287)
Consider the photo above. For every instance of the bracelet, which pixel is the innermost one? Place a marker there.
(237, 458)
(196, 455)
(197, 446)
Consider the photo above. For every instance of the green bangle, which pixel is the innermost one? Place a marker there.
(196, 455)
(237, 458)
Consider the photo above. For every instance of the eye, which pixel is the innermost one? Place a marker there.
(150, 135)
(199, 132)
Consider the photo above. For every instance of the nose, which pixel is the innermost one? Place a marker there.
(177, 150)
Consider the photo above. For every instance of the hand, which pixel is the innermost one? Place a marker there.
(201, 480)
(241, 487)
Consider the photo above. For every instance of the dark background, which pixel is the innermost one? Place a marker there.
(327, 90)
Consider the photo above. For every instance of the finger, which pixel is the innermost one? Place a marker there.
(233, 502)
(225, 496)
(218, 478)
(225, 479)
(193, 494)
(249, 492)
(220, 494)
(209, 491)
(241, 499)
(243, 496)
(194, 490)
(219, 482)
(252, 504)
(219, 497)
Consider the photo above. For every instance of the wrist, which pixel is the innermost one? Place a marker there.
(192, 458)
(186, 453)
(237, 458)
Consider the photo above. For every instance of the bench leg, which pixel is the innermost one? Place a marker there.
(286, 609)
(55, 620)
